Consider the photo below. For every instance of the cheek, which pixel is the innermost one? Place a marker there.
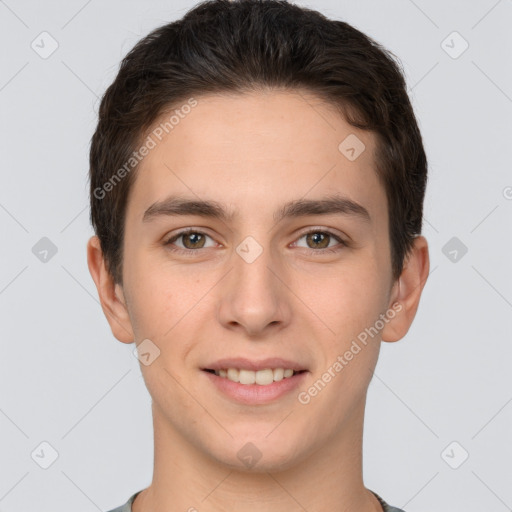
(349, 300)
(161, 297)
(165, 309)
(350, 356)
(153, 307)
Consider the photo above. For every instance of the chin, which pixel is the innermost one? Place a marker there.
(259, 454)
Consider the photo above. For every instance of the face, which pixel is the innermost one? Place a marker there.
(270, 276)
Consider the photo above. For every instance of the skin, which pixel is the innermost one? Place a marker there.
(253, 153)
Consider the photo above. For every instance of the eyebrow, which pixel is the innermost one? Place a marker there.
(180, 206)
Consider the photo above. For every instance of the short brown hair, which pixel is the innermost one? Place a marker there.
(239, 46)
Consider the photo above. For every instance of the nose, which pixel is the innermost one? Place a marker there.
(254, 297)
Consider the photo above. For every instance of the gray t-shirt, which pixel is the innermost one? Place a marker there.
(127, 507)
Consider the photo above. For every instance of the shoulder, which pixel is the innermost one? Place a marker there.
(122, 508)
(126, 507)
(385, 506)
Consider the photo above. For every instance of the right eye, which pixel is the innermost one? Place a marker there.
(191, 239)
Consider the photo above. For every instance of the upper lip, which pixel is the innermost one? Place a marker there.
(243, 363)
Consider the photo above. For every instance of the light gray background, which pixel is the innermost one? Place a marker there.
(65, 380)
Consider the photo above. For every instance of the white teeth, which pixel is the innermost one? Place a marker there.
(278, 374)
(261, 377)
(264, 377)
(247, 377)
(233, 374)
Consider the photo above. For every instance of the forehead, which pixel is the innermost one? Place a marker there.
(260, 148)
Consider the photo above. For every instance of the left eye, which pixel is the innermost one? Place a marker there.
(320, 240)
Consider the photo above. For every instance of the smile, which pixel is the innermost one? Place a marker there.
(261, 377)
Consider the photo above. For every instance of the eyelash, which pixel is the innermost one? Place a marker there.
(190, 252)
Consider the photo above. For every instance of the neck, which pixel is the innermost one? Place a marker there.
(328, 478)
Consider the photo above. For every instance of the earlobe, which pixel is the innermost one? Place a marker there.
(407, 291)
(111, 295)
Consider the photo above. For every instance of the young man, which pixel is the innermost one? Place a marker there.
(257, 184)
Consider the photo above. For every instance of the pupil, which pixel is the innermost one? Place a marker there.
(193, 238)
(319, 238)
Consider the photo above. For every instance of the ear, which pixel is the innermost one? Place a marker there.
(111, 295)
(406, 291)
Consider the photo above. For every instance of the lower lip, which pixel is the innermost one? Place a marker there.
(253, 394)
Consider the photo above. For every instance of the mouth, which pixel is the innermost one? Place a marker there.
(258, 386)
(263, 377)
(252, 381)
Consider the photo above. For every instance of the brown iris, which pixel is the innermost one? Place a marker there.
(193, 238)
(316, 237)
